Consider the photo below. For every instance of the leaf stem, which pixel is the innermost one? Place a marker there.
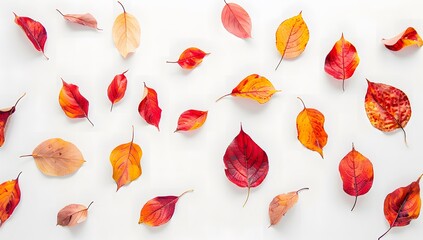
(279, 63)
(125, 72)
(60, 12)
(188, 191)
(17, 178)
(27, 155)
(89, 120)
(19, 100)
(385, 233)
(302, 102)
(355, 202)
(111, 108)
(248, 196)
(132, 139)
(89, 205)
(124, 11)
(171, 61)
(223, 96)
(343, 85)
(302, 189)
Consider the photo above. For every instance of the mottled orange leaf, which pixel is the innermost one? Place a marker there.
(310, 129)
(72, 102)
(117, 88)
(190, 58)
(292, 37)
(191, 120)
(356, 173)
(4, 117)
(342, 60)
(83, 19)
(387, 107)
(281, 204)
(254, 87)
(126, 33)
(159, 210)
(126, 162)
(57, 157)
(149, 108)
(10, 195)
(407, 38)
(236, 20)
(35, 32)
(72, 215)
(402, 205)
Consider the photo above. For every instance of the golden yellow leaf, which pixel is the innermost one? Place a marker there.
(126, 33)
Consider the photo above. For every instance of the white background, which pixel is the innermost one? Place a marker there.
(175, 162)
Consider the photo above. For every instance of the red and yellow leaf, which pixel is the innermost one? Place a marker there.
(159, 210)
(82, 19)
(236, 20)
(356, 173)
(4, 117)
(402, 205)
(246, 163)
(72, 102)
(72, 215)
(342, 60)
(10, 195)
(34, 30)
(281, 204)
(117, 88)
(190, 58)
(407, 38)
(310, 129)
(126, 33)
(191, 120)
(149, 107)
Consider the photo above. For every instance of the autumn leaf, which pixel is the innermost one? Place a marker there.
(356, 173)
(310, 129)
(159, 210)
(191, 120)
(83, 19)
(126, 33)
(72, 215)
(72, 102)
(126, 162)
(4, 117)
(281, 204)
(292, 37)
(402, 205)
(10, 195)
(254, 87)
(342, 60)
(246, 164)
(190, 58)
(35, 32)
(387, 107)
(57, 157)
(117, 88)
(149, 107)
(236, 20)
(407, 38)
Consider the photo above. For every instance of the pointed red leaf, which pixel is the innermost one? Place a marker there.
(10, 196)
(4, 117)
(191, 120)
(34, 30)
(236, 20)
(190, 58)
(72, 102)
(149, 107)
(82, 19)
(117, 88)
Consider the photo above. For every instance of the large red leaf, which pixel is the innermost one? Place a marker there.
(149, 107)
(246, 164)
(117, 88)
(34, 30)
(236, 20)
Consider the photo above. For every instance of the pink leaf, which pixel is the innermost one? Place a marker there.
(236, 20)
(82, 19)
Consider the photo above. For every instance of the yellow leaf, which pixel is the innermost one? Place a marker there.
(126, 33)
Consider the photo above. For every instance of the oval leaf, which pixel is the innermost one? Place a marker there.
(402, 205)
(342, 60)
(190, 58)
(72, 215)
(10, 196)
(35, 32)
(236, 20)
(310, 129)
(81, 19)
(126, 33)
(280, 205)
(407, 38)
(149, 107)
(254, 87)
(72, 102)
(4, 117)
(246, 164)
(117, 88)
(356, 173)
(57, 157)
(292, 37)
(387, 107)
(191, 120)
(126, 162)
(159, 210)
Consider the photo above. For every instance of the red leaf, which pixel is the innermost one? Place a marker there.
(246, 164)
(72, 102)
(4, 117)
(190, 58)
(10, 196)
(117, 88)
(191, 120)
(82, 19)
(407, 38)
(34, 30)
(149, 107)
(236, 20)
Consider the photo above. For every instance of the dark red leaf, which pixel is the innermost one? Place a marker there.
(34, 30)
(117, 88)
(149, 107)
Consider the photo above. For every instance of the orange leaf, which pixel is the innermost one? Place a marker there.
(342, 60)
(4, 117)
(149, 108)
(159, 210)
(35, 32)
(236, 20)
(191, 120)
(387, 107)
(281, 204)
(407, 38)
(72, 102)
(190, 58)
(72, 215)
(402, 205)
(126, 162)
(82, 19)
(10, 195)
(126, 33)
(57, 157)
(357, 174)
(310, 129)
(254, 87)
(117, 88)
(292, 37)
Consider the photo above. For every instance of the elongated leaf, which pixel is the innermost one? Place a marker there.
(190, 58)
(405, 39)
(4, 117)
(126, 33)
(10, 196)
(72, 215)
(281, 204)
(236, 20)
(117, 88)
(73, 104)
(85, 19)
(191, 120)
(149, 108)
(35, 32)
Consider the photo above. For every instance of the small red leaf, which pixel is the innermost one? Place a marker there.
(407, 38)
(72, 102)
(4, 117)
(191, 120)
(149, 107)
(10, 196)
(82, 19)
(34, 30)
(190, 58)
(236, 20)
(117, 88)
